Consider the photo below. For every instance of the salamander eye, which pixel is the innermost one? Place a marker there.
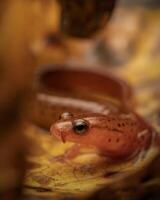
(66, 116)
(80, 126)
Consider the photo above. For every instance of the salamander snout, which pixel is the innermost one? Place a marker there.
(61, 129)
(69, 128)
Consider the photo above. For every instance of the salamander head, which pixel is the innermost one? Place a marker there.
(69, 128)
(114, 136)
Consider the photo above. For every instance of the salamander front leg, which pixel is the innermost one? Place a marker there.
(69, 154)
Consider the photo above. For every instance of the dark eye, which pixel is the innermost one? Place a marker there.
(66, 116)
(80, 126)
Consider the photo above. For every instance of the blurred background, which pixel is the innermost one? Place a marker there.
(121, 36)
(115, 44)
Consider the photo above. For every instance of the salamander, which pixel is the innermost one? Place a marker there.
(97, 110)
(117, 136)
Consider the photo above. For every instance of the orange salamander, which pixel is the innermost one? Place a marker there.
(117, 136)
(110, 126)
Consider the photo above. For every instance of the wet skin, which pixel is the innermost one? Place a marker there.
(117, 136)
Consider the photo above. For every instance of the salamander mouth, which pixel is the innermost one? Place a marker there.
(62, 137)
(59, 134)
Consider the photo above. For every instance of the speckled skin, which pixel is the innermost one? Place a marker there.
(77, 90)
(101, 99)
(115, 135)
(47, 108)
